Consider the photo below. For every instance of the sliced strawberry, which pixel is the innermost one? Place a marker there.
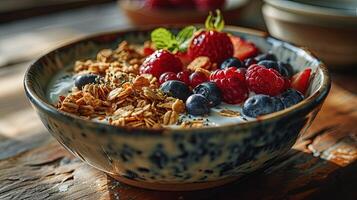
(300, 81)
(243, 49)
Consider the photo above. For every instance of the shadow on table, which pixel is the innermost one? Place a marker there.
(298, 175)
(346, 79)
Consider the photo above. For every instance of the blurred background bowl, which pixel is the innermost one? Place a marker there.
(139, 14)
(327, 27)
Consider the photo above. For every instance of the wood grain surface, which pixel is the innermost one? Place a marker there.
(322, 165)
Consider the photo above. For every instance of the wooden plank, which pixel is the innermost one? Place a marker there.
(12, 96)
(321, 164)
(26, 39)
(48, 172)
(11, 6)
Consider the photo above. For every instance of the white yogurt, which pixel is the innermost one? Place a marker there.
(61, 84)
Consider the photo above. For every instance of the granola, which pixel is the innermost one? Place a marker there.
(122, 97)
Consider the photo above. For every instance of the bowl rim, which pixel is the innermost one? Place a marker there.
(310, 9)
(308, 103)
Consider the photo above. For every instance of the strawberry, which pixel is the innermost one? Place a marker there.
(209, 4)
(300, 81)
(211, 42)
(242, 48)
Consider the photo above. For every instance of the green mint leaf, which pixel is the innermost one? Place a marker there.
(163, 39)
(184, 37)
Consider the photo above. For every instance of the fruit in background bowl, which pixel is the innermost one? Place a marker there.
(157, 4)
(204, 5)
(180, 11)
(183, 4)
(209, 4)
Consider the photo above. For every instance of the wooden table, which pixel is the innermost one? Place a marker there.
(322, 164)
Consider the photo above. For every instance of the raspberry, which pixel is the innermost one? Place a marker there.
(230, 72)
(264, 81)
(167, 76)
(213, 44)
(232, 84)
(159, 62)
(197, 78)
(184, 76)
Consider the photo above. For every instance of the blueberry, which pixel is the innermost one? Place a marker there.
(278, 66)
(288, 67)
(232, 62)
(177, 89)
(291, 97)
(266, 56)
(249, 61)
(197, 104)
(210, 91)
(84, 79)
(261, 105)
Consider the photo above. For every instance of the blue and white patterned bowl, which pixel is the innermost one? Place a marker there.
(176, 159)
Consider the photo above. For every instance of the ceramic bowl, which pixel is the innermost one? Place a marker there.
(328, 28)
(140, 15)
(176, 159)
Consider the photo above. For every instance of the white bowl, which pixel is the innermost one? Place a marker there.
(328, 28)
